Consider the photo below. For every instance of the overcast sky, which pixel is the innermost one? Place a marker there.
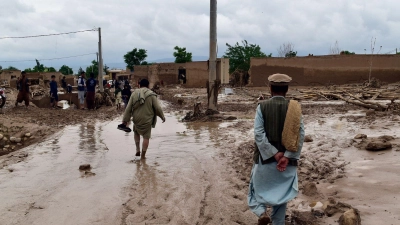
(159, 25)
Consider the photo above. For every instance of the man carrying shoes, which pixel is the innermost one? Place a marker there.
(143, 108)
(279, 136)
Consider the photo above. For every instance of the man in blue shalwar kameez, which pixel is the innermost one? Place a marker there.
(274, 179)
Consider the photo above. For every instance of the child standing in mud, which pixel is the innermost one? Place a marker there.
(118, 97)
(279, 136)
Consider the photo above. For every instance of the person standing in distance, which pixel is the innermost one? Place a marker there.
(143, 108)
(23, 88)
(81, 90)
(279, 135)
(53, 92)
(91, 91)
(64, 84)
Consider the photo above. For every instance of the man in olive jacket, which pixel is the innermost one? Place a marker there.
(143, 108)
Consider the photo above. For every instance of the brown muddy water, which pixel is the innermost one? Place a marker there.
(372, 180)
(182, 181)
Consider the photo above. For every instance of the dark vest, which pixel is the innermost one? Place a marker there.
(274, 114)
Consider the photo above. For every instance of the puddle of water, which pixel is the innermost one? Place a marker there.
(371, 180)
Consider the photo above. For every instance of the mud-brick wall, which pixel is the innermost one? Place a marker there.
(337, 69)
(168, 72)
(196, 74)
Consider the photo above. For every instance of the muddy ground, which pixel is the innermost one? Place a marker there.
(197, 172)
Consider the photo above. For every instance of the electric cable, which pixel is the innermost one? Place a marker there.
(45, 35)
(66, 57)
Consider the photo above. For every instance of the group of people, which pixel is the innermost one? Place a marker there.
(87, 90)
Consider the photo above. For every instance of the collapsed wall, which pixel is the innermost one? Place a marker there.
(324, 70)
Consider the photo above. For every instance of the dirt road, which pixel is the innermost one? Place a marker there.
(183, 181)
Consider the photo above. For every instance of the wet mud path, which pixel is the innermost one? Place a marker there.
(182, 181)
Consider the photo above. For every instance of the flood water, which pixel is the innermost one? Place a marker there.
(176, 179)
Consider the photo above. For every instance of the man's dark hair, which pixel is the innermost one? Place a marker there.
(144, 83)
(23, 72)
(91, 75)
(83, 72)
(53, 76)
(279, 89)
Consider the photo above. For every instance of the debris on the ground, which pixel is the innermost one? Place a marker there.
(350, 217)
(360, 136)
(378, 145)
(308, 138)
(310, 189)
(85, 167)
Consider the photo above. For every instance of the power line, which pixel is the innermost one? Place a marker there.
(45, 35)
(66, 57)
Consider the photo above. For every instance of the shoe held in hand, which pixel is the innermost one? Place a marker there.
(124, 128)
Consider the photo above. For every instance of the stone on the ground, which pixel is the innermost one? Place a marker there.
(350, 217)
(230, 118)
(304, 218)
(1, 136)
(308, 138)
(370, 113)
(378, 145)
(332, 208)
(17, 140)
(386, 137)
(12, 139)
(310, 189)
(360, 136)
(85, 167)
(27, 134)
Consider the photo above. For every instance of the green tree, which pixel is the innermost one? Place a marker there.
(80, 71)
(135, 57)
(49, 69)
(94, 68)
(105, 69)
(181, 56)
(39, 67)
(66, 70)
(239, 55)
(11, 68)
(347, 53)
(290, 54)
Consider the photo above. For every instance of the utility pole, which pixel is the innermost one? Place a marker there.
(100, 64)
(213, 86)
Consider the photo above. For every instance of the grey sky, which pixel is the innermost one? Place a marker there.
(159, 25)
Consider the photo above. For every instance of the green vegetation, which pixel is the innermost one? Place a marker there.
(66, 70)
(181, 56)
(135, 57)
(94, 68)
(290, 54)
(239, 55)
(40, 68)
(347, 53)
(10, 68)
